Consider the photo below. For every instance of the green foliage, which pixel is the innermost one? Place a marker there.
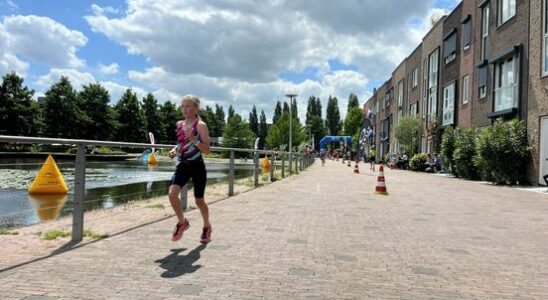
(503, 152)
(279, 133)
(333, 116)
(465, 151)
(448, 148)
(277, 112)
(63, 115)
(317, 129)
(220, 122)
(417, 162)
(408, 132)
(231, 112)
(353, 124)
(152, 116)
(5, 231)
(254, 121)
(131, 118)
(101, 124)
(263, 127)
(169, 116)
(208, 116)
(353, 102)
(238, 135)
(94, 235)
(19, 114)
(54, 234)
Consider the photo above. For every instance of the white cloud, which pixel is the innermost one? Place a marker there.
(78, 79)
(110, 69)
(8, 61)
(44, 40)
(12, 6)
(98, 10)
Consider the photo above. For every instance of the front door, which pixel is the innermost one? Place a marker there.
(543, 150)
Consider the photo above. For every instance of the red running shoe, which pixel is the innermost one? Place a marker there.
(179, 229)
(206, 235)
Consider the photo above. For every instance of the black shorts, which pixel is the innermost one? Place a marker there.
(194, 169)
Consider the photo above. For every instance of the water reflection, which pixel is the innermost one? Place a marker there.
(48, 206)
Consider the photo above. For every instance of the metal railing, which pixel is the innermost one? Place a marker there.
(301, 161)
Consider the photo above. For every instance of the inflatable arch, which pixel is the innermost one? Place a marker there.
(329, 138)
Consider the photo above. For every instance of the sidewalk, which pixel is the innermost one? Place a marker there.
(320, 235)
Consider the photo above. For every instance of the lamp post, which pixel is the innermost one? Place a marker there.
(291, 97)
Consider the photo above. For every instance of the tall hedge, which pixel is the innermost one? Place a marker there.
(503, 152)
(465, 151)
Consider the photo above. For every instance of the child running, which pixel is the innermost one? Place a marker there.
(193, 140)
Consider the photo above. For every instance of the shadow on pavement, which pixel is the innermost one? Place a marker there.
(176, 265)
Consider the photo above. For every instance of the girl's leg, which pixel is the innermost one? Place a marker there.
(204, 210)
(174, 192)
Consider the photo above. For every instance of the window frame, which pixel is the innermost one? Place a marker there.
(500, 11)
(485, 11)
(501, 68)
(449, 103)
(465, 89)
(544, 38)
(467, 28)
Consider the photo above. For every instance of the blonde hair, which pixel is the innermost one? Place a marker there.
(192, 98)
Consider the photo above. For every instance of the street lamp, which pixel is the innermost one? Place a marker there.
(291, 97)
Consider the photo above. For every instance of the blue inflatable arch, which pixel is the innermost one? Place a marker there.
(329, 138)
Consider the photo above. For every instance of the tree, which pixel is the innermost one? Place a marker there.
(220, 118)
(152, 116)
(352, 102)
(95, 102)
(294, 110)
(278, 135)
(408, 132)
(353, 123)
(238, 135)
(317, 130)
(310, 109)
(19, 114)
(254, 121)
(132, 119)
(277, 112)
(230, 112)
(285, 110)
(63, 116)
(169, 116)
(263, 127)
(208, 116)
(333, 116)
(318, 108)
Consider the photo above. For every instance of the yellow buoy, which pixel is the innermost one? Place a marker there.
(266, 165)
(49, 179)
(152, 159)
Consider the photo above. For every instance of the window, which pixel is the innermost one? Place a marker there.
(506, 84)
(413, 109)
(466, 30)
(465, 89)
(415, 77)
(545, 38)
(484, 31)
(433, 82)
(448, 104)
(450, 48)
(506, 9)
(400, 99)
(482, 82)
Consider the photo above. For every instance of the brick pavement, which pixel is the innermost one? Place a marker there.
(320, 235)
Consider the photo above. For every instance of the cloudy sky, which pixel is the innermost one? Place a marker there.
(239, 52)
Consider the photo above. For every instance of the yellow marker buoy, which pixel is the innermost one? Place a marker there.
(49, 179)
(152, 159)
(266, 165)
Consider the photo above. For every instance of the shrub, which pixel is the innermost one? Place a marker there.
(448, 148)
(465, 150)
(417, 162)
(503, 152)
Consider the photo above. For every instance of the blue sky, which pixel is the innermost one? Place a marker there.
(226, 53)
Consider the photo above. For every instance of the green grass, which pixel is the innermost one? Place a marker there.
(54, 234)
(157, 206)
(94, 235)
(5, 231)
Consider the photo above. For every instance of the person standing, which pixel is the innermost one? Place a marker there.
(193, 140)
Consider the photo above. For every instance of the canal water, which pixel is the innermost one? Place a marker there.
(108, 184)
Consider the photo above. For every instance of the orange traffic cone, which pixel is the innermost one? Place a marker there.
(381, 184)
(356, 169)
